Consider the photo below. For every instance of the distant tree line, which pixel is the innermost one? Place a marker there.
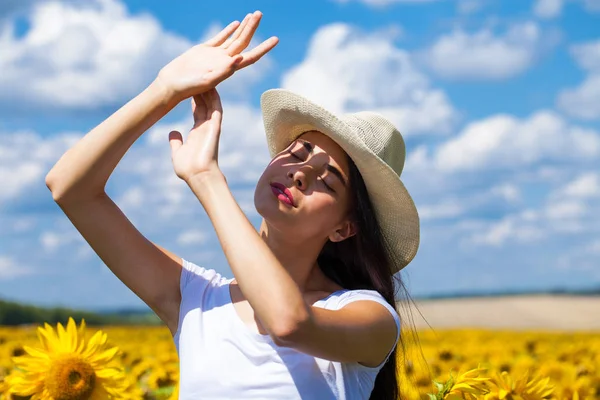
(12, 313)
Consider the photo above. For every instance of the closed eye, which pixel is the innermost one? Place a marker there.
(321, 179)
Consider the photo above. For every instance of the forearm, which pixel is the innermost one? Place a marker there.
(83, 171)
(268, 287)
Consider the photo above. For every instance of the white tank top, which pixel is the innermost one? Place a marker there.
(220, 357)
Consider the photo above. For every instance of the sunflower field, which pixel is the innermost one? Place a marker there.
(79, 362)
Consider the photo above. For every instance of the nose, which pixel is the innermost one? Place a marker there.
(298, 176)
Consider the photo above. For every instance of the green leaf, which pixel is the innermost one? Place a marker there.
(439, 386)
(164, 393)
(449, 383)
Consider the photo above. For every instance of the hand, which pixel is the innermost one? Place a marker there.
(198, 155)
(205, 65)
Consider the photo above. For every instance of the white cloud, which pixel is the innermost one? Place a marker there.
(587, 55)
(509, 228)
(346, 70)
(548, 8)
(564, 217)
(50, 240)
(9, 8)
(583, 101)
(82, 55)
(592, 5)
(68, 237)
(507, 191)
(11, 269)
(446, 209)
(379, 3)
(593, 247)
(565, 209)
(584, 186)
(506, 142)
(25, 159)
(507, 181)
(192, 237)
(23, 224)
(483, 55)
(469, 6)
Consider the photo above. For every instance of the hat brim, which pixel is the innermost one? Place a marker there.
(287, 115)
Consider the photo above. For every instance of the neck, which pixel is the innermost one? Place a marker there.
(299, 258)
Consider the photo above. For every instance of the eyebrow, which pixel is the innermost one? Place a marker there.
(309, 147)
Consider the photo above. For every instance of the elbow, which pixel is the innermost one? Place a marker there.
(51, 185)
(289, 332)
(56, 192)
(64, 193)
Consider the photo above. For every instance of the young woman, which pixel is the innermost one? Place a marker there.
(311, 311)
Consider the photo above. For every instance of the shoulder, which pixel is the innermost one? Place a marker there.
(349, 296)
(193, 273)
(367, 299)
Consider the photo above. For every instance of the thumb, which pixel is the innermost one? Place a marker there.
(175, 140)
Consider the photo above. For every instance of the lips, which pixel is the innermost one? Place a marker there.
(281, 189)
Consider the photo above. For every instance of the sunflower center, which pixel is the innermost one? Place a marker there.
(70, 378)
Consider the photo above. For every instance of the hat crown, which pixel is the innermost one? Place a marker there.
(380, 136)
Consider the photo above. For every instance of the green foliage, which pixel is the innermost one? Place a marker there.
(442, 388)
(163, 393)
(12, 313)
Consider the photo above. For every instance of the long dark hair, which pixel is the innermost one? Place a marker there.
(362, 262)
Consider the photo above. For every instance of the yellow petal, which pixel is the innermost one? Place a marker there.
(82, 328)
(72, 334)
(50, 341)
(105, 356)
(108, 373)
(36, 352)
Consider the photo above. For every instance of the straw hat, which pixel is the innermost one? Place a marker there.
(376, 147)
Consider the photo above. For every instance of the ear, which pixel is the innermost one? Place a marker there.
(348, 229)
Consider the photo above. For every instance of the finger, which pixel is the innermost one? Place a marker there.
(198, 108)
(243, 41)
(252, 56)
(216, 108)
(220, 37)
(214, 105)
(175, 141)
(207, 103)
(237, 32)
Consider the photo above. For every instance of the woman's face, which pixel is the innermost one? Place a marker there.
(314, 169)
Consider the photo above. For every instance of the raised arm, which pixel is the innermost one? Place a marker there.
(82, 172)
(77, 181)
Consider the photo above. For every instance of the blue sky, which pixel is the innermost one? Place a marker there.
(498, 101)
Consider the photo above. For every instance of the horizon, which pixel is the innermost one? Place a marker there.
(593, 291)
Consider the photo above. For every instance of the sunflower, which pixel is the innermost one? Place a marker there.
(469, 385)
(66, 368)
(524, 388)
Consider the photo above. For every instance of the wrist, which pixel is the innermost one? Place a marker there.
(206, 178)
(166, 92)
(205, 184)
